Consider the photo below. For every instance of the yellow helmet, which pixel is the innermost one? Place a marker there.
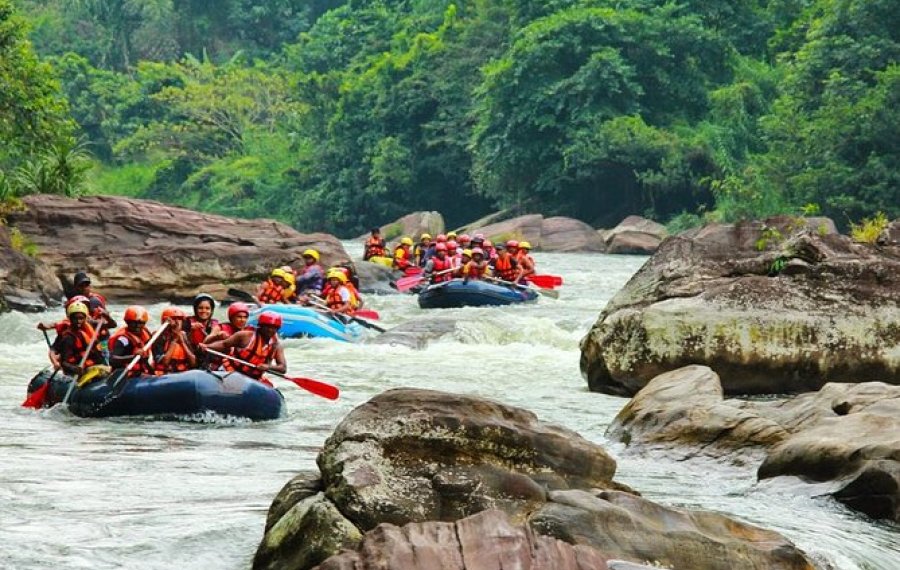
(451, 235)
(311, 253)
(77, 308)
(279, 272)
(467, 252)
(337, 273)
(406, 240)
(524, 245)
(426, 235)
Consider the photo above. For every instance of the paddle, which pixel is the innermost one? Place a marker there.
(137, 357)
(313, 386)
(368, 314)
(36, 399)
(404, 284)
(546, 292)
(84, 358)
(338, 316)
(545, 281)
(243, 296)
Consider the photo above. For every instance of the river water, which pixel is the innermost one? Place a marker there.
(150, 494)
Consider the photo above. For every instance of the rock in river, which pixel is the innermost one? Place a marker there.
(782, 306)
(414, 468)
(26, 283)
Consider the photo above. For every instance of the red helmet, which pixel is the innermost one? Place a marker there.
(171, 313)
(477, 251)
(136, 313)
(236, 309)
(512, 243)
(440, 238)
(478, 237)
(440, 247)
(78, 299)
(269, 319)
(452, 244)
(464, 238)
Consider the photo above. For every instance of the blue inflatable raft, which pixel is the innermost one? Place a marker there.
(476, 293)
(300, 321)
(182, 393)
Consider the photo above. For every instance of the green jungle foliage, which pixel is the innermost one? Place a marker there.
(338, 115)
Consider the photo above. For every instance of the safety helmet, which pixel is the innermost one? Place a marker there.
(425, 236)
(440, 247)
(467, 252)
(204, 297)
(269, 319)
(440, 238)
(171, 313)
(512, 243)
(77, 307)
(406, 240)
(288, 270)
(279, 272)
(136, 313)
(336, 273)
(464, 238)
(477, 251)
(452, 244)
(236, 309)
(451, 235)
(488, 243)
(524, 245)
(311, 253)
(77, 299)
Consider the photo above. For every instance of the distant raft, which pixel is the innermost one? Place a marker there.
(299, 322)
(476, 293)
(177, 394)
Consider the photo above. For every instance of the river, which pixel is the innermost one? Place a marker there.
(149, 494)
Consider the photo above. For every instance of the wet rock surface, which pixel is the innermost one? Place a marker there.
(26, 283)
(545, 234)
(430, 461)
(144, 250)
(634, 235)
(845, 434)
(782, 306)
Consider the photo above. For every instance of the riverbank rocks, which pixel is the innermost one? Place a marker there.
(785, 305)
(416, 467)
(847, 435)
(143, 250)
(412, 225)
(546, 234)
(26, 283)
(634, 235)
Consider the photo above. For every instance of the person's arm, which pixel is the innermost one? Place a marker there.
(66, 351)
(238, 339)
(280, 365)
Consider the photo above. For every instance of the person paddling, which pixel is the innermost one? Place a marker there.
(76, 341)
(505, 266)
(340, 298)
(437, 270)
(525, 261)
(238, 314)
(276, 288)
(172, 351)
(477, 267)
(423, 250)
(130, 341)
(201, 323)
(375, 246)
(312, 278)
(260, 347)
(403, 255)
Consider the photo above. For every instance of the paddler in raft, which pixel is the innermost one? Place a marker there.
(172, 351)
(403, 257)
(438, 268)
(312, 279)
(261, 348)
(340, 296)
(525, 262)
(375, 246)
(130, 341)
(78, 338)
(279, 287)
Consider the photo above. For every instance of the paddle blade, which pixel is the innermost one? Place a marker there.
(545, 281)
(404, 284)
(315, 387)
(368, 314)
(36, 399)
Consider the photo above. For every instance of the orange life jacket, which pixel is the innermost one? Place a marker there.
(135, 344)
(505, 267)
(178, 362)
(257, 352)
(438, 265)
(334, 300)
(374, 246)
(271, 293)
(473, 270)
(82, 339)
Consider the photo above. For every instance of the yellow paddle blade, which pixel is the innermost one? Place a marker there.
(93, 373)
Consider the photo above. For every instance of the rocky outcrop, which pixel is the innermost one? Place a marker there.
(546, 234)
(375, 278)
(412, 225)
(782, 306)
(634, 235)
(844, 434)
(26, 283)
(434, 459)
(144, 250)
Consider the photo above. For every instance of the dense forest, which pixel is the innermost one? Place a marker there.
(339, 114)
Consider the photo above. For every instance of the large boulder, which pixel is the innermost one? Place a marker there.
(545, 234)
(145, 250)
(845, 434)
(634, 235)
(26, 283)
(781, 306)
(434, 459)
(412, 225)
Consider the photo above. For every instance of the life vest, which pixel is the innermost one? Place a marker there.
(198, 335)
(401, 258)
(257, 352)
(438, 265)
(355, 299)
(334, 299)
(271, 293)
(505, 267)
(81, 340)
(374, 247)
(135, 344)
(178, 362)
(422, 253)
(473, 270)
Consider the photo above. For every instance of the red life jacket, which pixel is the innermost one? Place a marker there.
(82, 339)
(439, 265)
(401, 258)
(257, 352)
(198, 335)
(473, 270)
(178, 362)
(271, 293)
(135, 344)
(505, 267)
(374, 247)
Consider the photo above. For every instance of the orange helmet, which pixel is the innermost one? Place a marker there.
(136, 313)
(171, 313)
